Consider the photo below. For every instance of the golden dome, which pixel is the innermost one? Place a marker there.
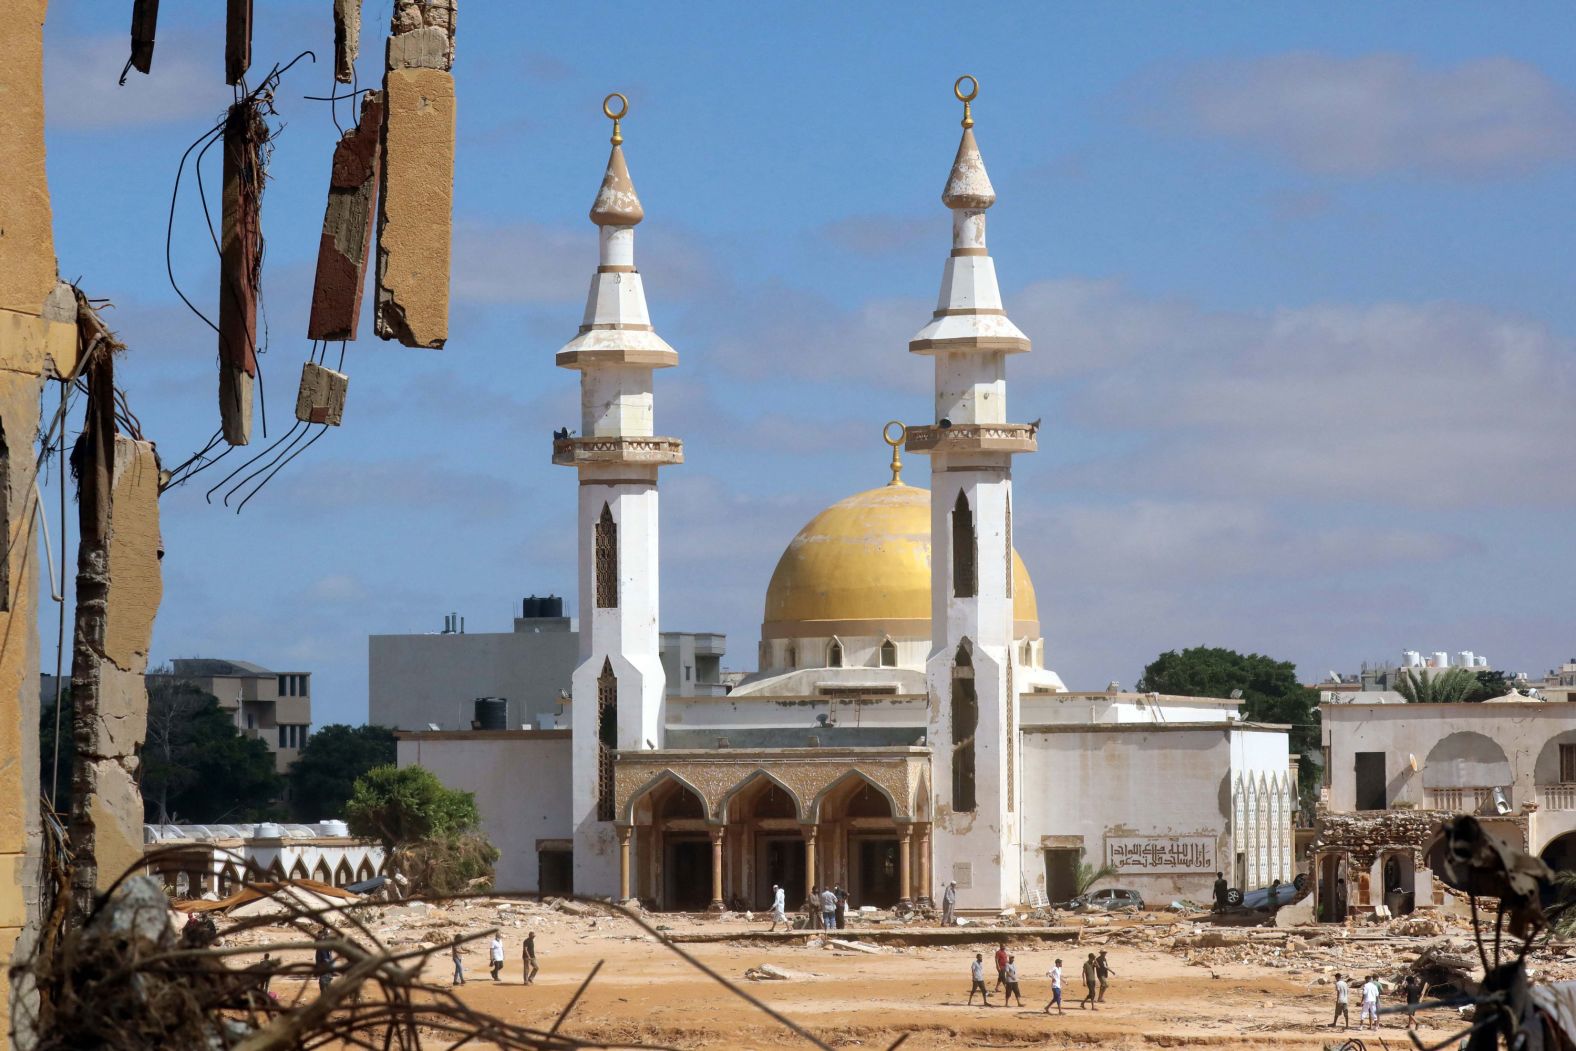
(862, 568)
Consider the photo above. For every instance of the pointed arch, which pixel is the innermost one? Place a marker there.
(605, 560)
(759, 775)
(343, 874)
(835, 653)
(888, 653)
(855, 775)
(627, 816)
(793, 655)
(607, 739)
(322, 873)
(965, 582)
(965, 721)
(364, 871)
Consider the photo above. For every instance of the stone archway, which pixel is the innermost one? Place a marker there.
(1560, 853)
(764, 841)
(864, 849)
(672, 846)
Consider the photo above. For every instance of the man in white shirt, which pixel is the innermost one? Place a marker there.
(1343, 1013)
(1055, 975)
(779, 906)
(977, 973)
(495, 952)
(1370, 1012)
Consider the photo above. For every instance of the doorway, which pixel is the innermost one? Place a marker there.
(686, 876)
(1061, 872)
(780, 860)
(555, 872)
(875, 874)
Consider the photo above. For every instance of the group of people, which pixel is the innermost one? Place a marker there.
(1097, 975)
(827, 907)
(495, 957)
(1412, 988)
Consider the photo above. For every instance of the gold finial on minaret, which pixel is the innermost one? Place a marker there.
(896, 443)
(974, 89)
(623, 108)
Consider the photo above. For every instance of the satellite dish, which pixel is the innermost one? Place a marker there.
(1236, 695)
(1411, 761)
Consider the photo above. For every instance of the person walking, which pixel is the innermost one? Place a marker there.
(528, 954)
(1221, 890)
(459, 970)
(1010, 973)
(1343, 1013)
(842, 907)
(1091, 977)
(1103, 969)
(495, 954)
(949, 905)
(1370, 1011)
(977, 975)
(1274, 896)
(1055, 975)
(779, 906)
(829, 909)
(324, 960)
(1413, 988)
(1001, 965)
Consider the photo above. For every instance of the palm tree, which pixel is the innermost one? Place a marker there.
(1452, 684)
(1087, 876)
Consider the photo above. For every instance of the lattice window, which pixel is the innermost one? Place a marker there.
(964, 582)
(606, 560)
(834, 655)
(1012, 741)
(965, 720)
(607, 739)
(1009, 547)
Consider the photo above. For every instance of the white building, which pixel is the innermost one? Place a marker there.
(904, 730)
(216, 859)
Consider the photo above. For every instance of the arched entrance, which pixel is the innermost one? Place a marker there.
(674, 847)
(765, 842)
(1560, 853)
(858, 824)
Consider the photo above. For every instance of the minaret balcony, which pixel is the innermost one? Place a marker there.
(644, 451)
(973, 437)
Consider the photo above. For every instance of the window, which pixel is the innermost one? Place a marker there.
(1370, 772)
(889, 654)
(793, 655)
(284, 685)
(965, 719)
(834, 655)
(251, 721)
(606, 560)
(607, 739)
(687, 671)
(283, 736)
(1568, 762)
(963, 579)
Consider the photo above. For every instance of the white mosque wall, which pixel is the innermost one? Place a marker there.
(1042, 707)
(781, 720)
(1159, 802)
(521, 780)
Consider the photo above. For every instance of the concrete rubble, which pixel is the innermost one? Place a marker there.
(347, 227)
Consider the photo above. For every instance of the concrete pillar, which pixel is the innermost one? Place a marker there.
(37, 340)
(416, 206)
(905, 876)
(924, 899)
(810, 877)
(717, 904)
(623, 862)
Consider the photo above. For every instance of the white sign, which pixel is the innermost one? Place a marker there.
(1137, 855)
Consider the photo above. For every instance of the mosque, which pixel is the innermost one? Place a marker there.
(903, 731)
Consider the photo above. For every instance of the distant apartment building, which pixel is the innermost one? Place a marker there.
(450, 679)
(274, 707)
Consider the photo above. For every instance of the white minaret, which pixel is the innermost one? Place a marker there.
(973, 702)
(618, 685)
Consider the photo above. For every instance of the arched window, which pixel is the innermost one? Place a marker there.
(606, 560)
(889, 654)
(964, 583)
(834, 655)
(607, 739)
(793, 655)
(965, 719)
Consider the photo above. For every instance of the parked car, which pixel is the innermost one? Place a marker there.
(1107, 899)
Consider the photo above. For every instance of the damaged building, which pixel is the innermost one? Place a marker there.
(904, 730)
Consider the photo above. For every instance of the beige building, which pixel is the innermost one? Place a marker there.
(274, 707)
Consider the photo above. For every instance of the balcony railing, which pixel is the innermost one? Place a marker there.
(1557, 797)
(1465, 800)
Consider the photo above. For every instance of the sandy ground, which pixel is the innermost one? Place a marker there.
(645, 994)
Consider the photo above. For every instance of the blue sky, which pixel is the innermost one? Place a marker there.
(1298, 279)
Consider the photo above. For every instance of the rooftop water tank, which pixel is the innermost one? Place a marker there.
(492, 713)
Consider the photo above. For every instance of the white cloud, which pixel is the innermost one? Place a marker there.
(1378, 113)
(878, 235)
(81, 92)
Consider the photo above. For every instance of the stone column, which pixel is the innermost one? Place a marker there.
(924, 899)
(623, 862)
(717, 904)
(809, 858)
(905, 876)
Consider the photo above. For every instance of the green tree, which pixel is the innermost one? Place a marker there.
(197, 767)
(1490, 684)
(323, 777)
(419, 821)
(1270, 694)
(1088, 875)
(1451, 684)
